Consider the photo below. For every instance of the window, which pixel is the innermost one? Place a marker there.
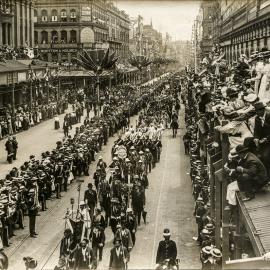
(35, 15)
(73, 15)
(54, 15)
(73, 36)
(54, 36)
(63, 15)
(63, 36)
(44, 37)
(44, 15)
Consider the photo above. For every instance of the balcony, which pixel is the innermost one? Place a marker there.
(58, 46)
(114, 40)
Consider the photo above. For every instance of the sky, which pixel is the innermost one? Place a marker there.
(173, 16)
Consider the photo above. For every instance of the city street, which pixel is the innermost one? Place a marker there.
(34, 141)
(169, 204)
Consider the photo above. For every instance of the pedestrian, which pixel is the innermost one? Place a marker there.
(124, 234)
(131, 224)
(32, 212)
(9, 149)
(186, 139)
(15, 147)
(84, 257)
(97, 237)
(119, 256)
(66, 127)
(90, 198)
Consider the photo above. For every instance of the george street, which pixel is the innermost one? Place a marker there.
(169, 204)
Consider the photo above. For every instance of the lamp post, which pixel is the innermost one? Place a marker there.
(30, 77)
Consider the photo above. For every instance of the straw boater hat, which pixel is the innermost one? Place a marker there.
(207, 249)
(216, 253)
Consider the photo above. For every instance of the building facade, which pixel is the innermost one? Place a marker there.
(145, 39)
(244, 27)
(64, 27)
(16, 23)
(119, 24)
(204, 27)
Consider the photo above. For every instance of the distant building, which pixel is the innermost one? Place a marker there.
(145, 39)
(16, 23)
(204, 26)
(64, 27)
(180, 51)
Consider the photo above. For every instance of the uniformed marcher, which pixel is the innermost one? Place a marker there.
(32, 212)
(166, 249)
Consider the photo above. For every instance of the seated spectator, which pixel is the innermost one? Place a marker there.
(250, 175)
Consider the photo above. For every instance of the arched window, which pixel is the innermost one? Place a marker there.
(73, 36)
(63, 36)
(44, 15)
(54, 36)
(73, 15)
(54, 15)
(63, 15)
(44, 37)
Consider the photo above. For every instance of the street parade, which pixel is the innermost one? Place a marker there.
(134, 134)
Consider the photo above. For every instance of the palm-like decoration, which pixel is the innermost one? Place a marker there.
(90, 63)
(139, 61)
(86, 61)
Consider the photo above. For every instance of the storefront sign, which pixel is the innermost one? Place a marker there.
(3, 79)
(87, 35)
(58, 50)
(86, 14)
(22, 77)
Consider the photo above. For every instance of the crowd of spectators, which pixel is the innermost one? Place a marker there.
(230, 100)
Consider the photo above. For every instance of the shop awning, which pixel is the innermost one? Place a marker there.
(12, 66)
(82, 73)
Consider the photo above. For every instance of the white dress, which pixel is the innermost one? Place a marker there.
(264, 91)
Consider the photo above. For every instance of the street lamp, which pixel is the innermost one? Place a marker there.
(30, 79)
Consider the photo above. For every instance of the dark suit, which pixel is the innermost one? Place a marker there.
(166, 250)
(262, 130)
(91, 197)
(80, 263)
(254, 175)
(98, 237)
(117, 262)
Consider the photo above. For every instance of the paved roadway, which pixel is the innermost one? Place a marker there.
(169, 204)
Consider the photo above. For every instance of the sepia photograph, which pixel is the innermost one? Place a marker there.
(134, 134)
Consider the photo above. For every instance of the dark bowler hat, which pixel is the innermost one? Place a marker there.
(259, 105)
(240, 149)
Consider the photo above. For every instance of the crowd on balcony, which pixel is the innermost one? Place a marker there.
(231, 100)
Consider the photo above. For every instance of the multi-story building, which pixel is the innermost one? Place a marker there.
(205, 27)
(153, 40)
(16, 23)
(119, 24)
(244, 27)
(144, 39)
(64, 27)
